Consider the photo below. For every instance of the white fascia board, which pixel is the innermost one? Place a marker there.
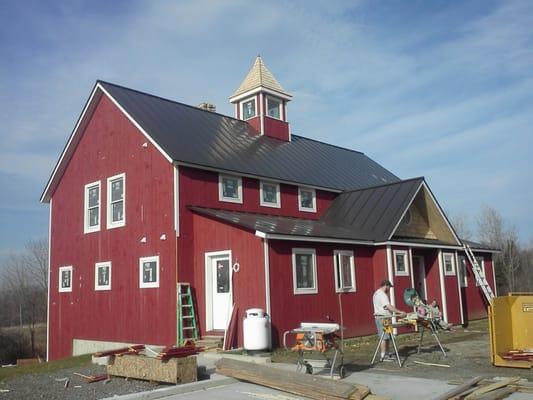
(412, 244)
(405, 211)
(135, 123)
(45, 196)
(258, 89)
(266, 178)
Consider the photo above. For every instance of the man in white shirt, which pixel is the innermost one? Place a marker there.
(383, 308)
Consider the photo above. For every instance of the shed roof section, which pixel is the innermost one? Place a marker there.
(259, 76)
(373, 212)
(206, 139)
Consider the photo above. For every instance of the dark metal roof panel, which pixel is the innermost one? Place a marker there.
(375, 211)
(191, 135)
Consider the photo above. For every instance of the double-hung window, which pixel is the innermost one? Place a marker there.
(401, 263)
(248, 109)
(65, 279)
(230, 188)
(149, 272)
(344, 265)
(449, 263)
(92, 207)
(102, 276)
(116, 201)
(273, 107)
(306, 199)
(270, 194)
(304, 276)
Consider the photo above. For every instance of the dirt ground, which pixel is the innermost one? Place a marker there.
(467, 350)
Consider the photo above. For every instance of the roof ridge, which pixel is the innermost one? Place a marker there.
(384, 184)
(328, 144)
(169, 100)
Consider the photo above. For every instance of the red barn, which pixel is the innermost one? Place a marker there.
(149, 192)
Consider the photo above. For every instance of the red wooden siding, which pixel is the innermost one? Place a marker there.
(401, 282)
(474, 303)
(276, 128)
(247, 250)
(289, 309)
(453, 304)
(109, 146)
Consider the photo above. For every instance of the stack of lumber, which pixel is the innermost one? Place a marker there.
(309, 386)
(136, 349)
(178, 352)
(520, 355)
(482, 389)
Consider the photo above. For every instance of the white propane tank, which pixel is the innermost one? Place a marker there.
(256, 330)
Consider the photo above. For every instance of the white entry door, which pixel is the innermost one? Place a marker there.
(218, 288)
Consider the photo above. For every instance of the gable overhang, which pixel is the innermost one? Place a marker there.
(424, 186)
(76, 134)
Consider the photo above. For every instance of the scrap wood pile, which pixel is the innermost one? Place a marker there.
(310, 386)
(519, 355)
(140, 349)
(486, 389)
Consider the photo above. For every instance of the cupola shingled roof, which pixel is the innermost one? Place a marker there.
(259, 76)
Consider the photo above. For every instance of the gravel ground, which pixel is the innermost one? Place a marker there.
(45, 386)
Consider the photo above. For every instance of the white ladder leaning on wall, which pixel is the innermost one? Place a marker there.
(479, 274)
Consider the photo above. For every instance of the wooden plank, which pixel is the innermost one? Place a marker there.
(493, 386)
(524, 387)
(300, 384)
(459, 389)
(432, 364)
(497, 394)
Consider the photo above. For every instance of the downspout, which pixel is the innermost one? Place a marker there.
(267, 277)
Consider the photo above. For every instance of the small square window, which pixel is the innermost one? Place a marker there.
(273, 107)
(449, 264)
(304, 271)
(306, 199)
(248, 109)
(65, 279)
(230, 188)
(343, 262)
(91, 214)
(270, 194)
(102, 276)
(116, 198)
(401, 265)
(149, 272)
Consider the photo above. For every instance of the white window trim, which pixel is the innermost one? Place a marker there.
(338, 287)
(148, 284)
(305, 209)
(254, 99)
(277, 204)
(463, 278)
(86, 227)
(406, 258)
(110, 223)
(314, 289)
(67, 289)
(96, 267)
(478, 258)
(280, 107)
(221, 191)
(452, 258)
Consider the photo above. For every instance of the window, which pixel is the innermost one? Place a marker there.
(230, 188)
(149, 272)
(306, 199)
(449, 264)
(269, 194)
(304, 271)
(343, 262)
(273, 107)
(248, 109)
(481, 263)
(92, 207)
(65, 279)
(102, 276)
(116, 189)
(463, 273)
(401, 266)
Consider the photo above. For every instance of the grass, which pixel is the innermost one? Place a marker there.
(45, 367)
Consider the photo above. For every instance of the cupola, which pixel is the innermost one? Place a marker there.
(262, 102)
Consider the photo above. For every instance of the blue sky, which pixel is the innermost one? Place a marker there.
(441, 89)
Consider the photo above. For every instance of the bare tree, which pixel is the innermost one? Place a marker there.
(461, 225)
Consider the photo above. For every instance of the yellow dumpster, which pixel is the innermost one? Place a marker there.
(511, 330)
